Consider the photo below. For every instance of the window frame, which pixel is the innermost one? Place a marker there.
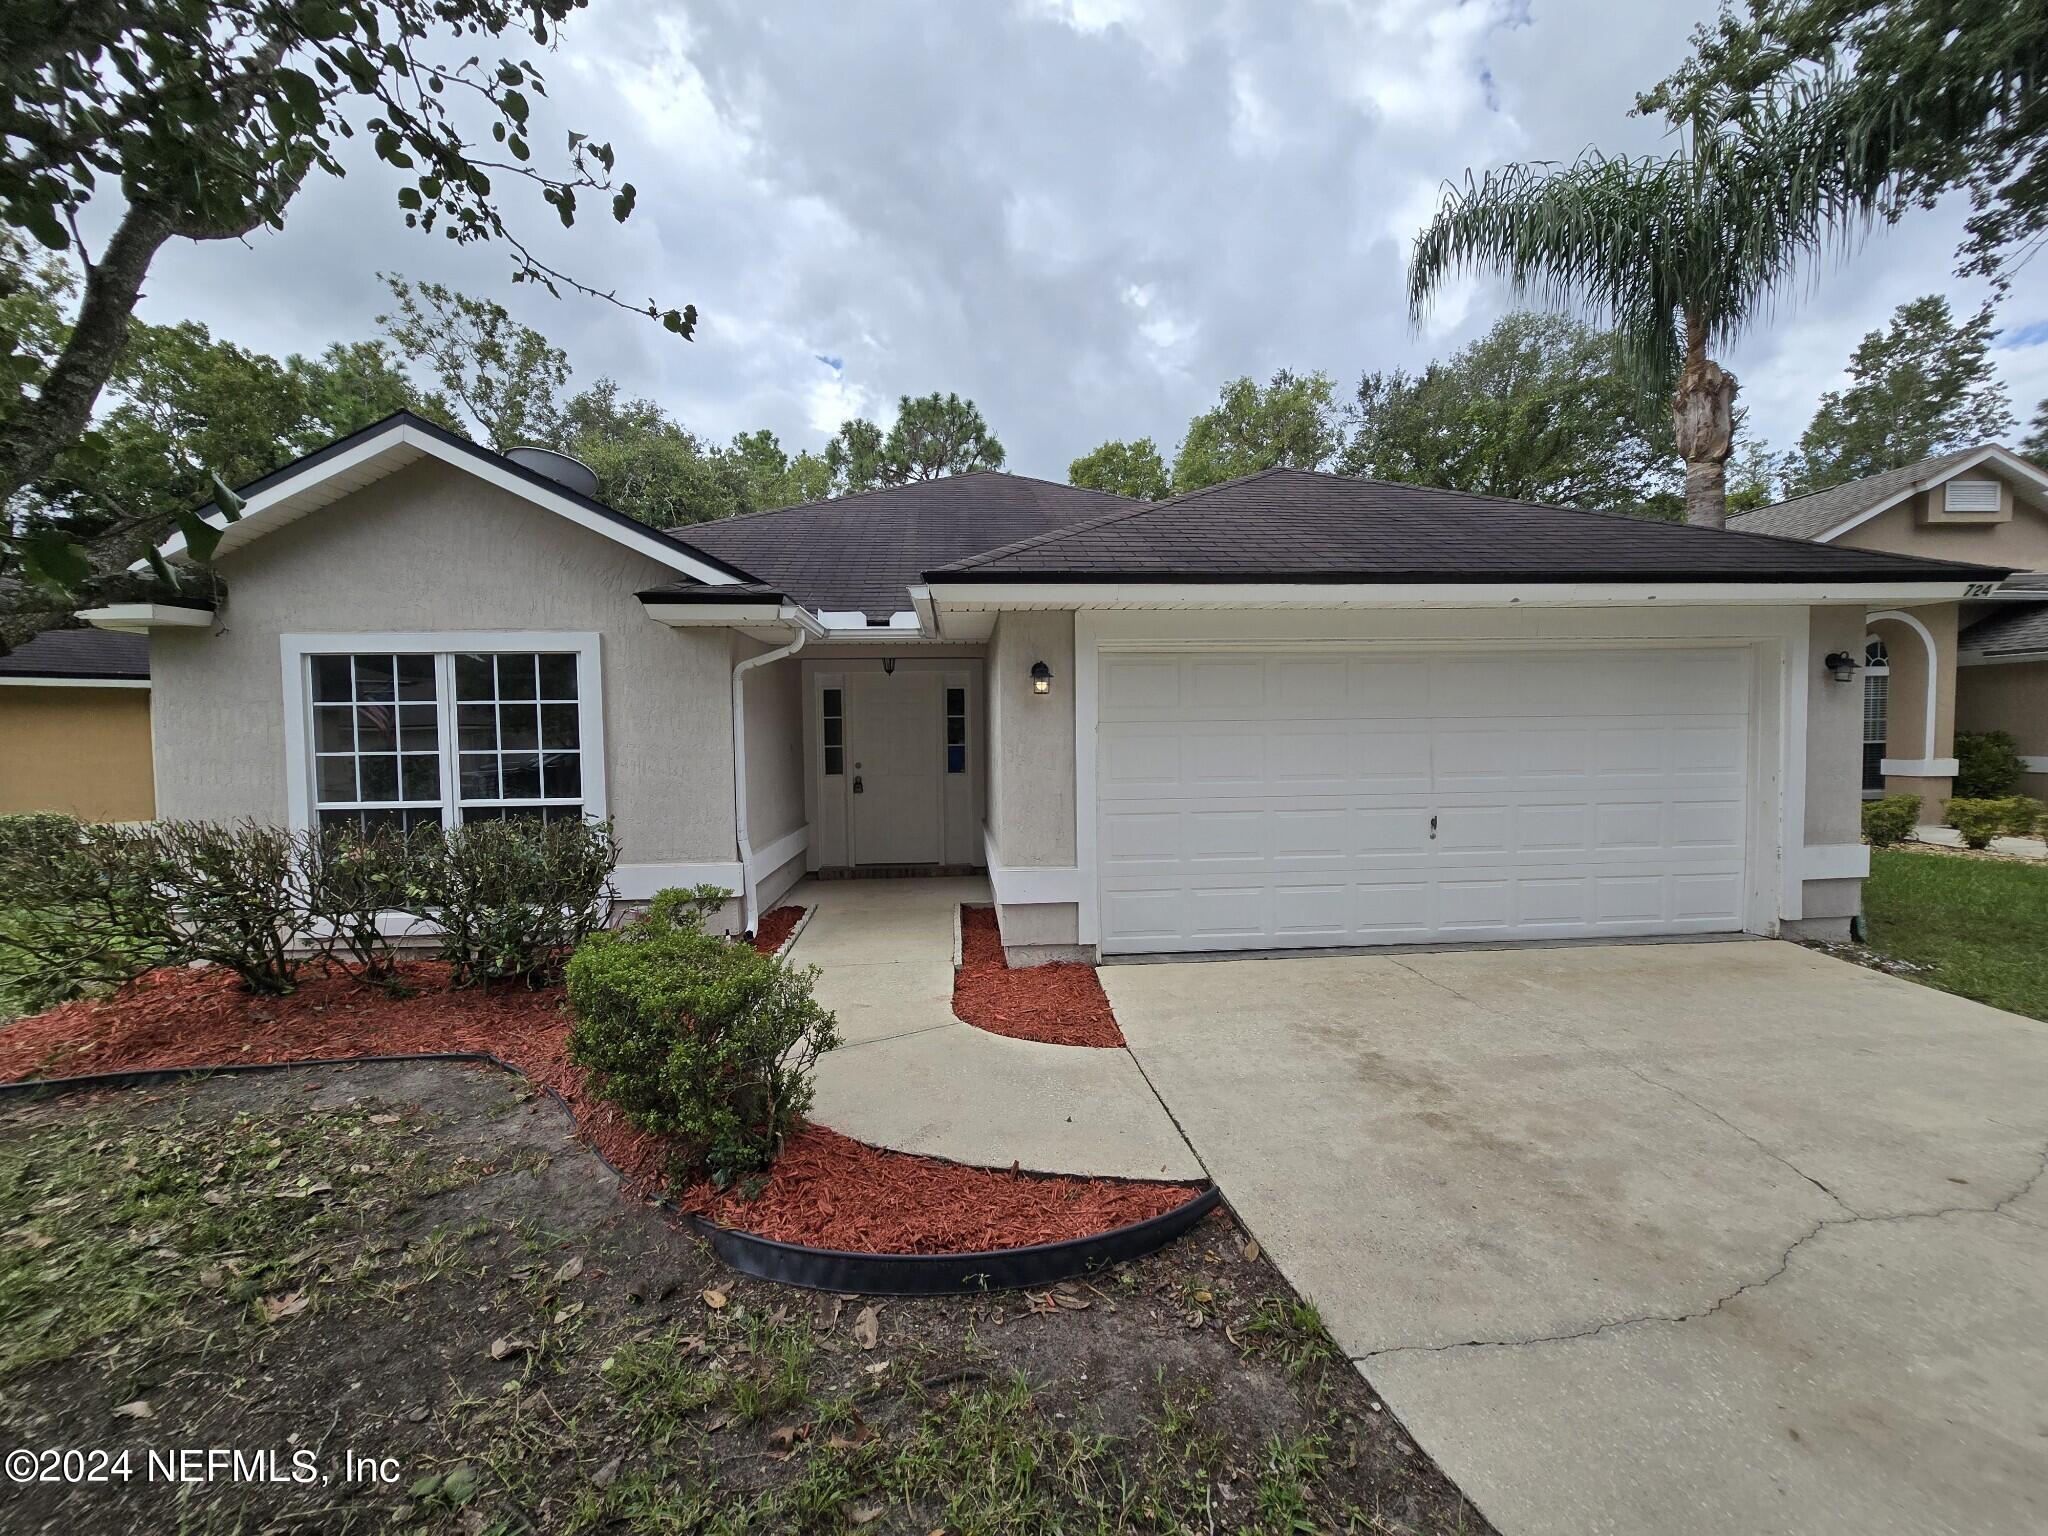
(298, 650)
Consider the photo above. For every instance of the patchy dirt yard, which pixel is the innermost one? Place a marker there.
(430, 1309)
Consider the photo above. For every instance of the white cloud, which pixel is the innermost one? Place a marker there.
(1086, 214)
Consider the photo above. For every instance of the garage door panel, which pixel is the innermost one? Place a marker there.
(1283, 801)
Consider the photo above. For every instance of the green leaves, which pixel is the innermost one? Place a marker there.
(622, 202)
(53, 561)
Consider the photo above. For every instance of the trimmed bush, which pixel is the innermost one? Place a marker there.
(1987, 765)
(695, 1036)
(236, 896)
(1890, 820)
(513, 898)
(352, 884)
(80, 908)
(1981, 820)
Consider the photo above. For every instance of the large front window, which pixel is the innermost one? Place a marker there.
(410, 738)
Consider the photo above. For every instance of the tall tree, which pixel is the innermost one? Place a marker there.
(936, 435)
(201, 119)
(2036, 445)
(932, 435)
(1943, 93)
(505, 375)
(1540, 408)
(1124, 469)
(1677, 253)
(354, 383)
(648, 465)
(1755, 475)
(1923, 385)
(855, 457)
(772, 477)
(1291, 422)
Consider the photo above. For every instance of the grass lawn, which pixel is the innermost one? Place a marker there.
(417, 1264)
(1982, 924)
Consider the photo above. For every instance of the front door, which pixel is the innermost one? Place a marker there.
(895, 747)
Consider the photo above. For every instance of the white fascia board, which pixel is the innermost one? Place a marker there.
(1919, 767)
(927, 611)
(968, 596)
(260, 510)
(740, 614)
(141, 618)
(16, 681)
(1998, 658)
(2012, 463)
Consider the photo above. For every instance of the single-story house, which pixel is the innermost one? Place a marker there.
(1292, 710)
(74, 726)
(1976, 665)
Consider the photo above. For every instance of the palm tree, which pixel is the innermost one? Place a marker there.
(1679, 253)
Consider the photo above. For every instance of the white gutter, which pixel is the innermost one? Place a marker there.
(748, 899)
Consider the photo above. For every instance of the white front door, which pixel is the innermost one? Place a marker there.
(1253, 800)
(895, 749)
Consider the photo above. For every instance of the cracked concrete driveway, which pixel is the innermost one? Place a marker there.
(1724, 1237)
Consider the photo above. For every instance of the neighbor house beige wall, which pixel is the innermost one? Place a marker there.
(83, 751)
(433, 549)
(2010, 697)
(1906, 712)
(1031, 777)
(2019, 541)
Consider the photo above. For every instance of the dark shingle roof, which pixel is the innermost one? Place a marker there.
(1291, 525)
(860, 554)
(2020, 629)
(1808, 517)
(80, 653)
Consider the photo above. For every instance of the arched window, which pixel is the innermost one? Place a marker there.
(1877, 691)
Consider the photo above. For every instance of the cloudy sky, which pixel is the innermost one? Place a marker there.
(1085, 214)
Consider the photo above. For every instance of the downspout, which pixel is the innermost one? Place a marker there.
(749, 918)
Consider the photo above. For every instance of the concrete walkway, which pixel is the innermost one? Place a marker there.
(2017, 847)
(1658, 1240)
(911, 1076)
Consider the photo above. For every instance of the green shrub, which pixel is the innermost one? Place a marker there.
(236, 894)
(1890, 820)
(512, 898)
(1987, 765)
(81, 908)
(695, 1036)
(1981, 820)
(354, 884)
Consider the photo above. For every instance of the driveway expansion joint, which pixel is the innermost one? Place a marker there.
(1614, 1325)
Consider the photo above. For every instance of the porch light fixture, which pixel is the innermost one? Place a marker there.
(1841, 666)
(1041, 677)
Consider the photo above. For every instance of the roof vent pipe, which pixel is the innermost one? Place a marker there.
(565, 471)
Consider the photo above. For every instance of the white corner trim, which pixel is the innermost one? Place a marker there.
(73, 682)
(295, 650)
(1900, 616)
(1919, 767)
(782, 850)
(2010, 462)
(1025, 885)
(141, 618)
(255, 516)
(1836, 861)
(639, 882)
(2034, 764)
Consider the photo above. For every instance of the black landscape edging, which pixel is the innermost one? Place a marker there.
(795, 1264)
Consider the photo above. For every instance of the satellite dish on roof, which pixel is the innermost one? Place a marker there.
(558, 467)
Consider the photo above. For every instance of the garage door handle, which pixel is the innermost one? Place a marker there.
(1432, 829)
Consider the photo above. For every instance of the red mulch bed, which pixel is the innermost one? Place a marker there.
(825, 1190)
(774, 928)
(1058, 1004)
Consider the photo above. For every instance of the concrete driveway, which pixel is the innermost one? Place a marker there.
(1723, 1237)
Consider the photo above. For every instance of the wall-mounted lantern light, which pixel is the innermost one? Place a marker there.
(1041, 677)
(1841, 666)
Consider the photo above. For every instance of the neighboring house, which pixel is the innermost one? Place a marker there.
(74, 726)
(1977, 665)
(1292, 710)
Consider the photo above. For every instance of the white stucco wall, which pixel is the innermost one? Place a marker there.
(1031, 778)
(430, 548)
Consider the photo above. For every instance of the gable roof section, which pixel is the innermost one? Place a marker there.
(363, 457)
(2018, 631)
(1292, 526)
(1824, 514)
(83, 654)
(861, 553)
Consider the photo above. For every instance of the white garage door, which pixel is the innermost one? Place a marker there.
(1250, 800)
